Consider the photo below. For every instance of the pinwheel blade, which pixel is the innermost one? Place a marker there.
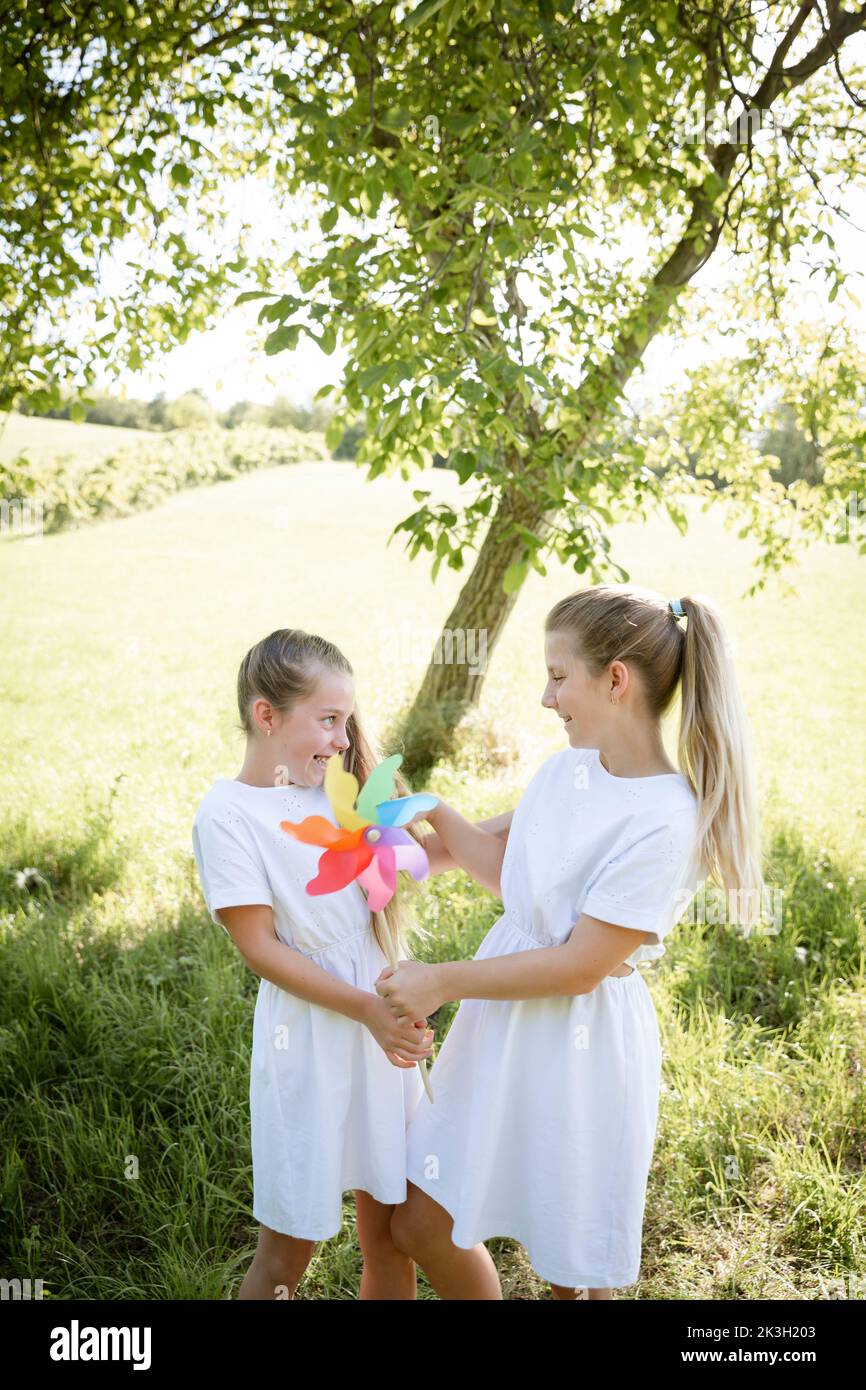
(379, 786)
(391, 835)
(315, 830)
(341, 788)
(401, 810)
(413, 859)
(379, 879)
(337, 868)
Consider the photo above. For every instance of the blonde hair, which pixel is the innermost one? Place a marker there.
(638, 627)
(285, 667)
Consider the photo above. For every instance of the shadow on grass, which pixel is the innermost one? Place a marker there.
(61, 869)
(124, 1069)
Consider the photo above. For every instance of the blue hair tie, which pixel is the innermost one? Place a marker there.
(676, 608)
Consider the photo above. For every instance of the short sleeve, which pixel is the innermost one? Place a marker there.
(230, 867)
(647, 885)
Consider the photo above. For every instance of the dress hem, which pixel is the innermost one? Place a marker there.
(567, 1281)
(350, 1187)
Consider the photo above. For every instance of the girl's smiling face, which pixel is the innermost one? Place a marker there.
(314, 730)
(578, 700)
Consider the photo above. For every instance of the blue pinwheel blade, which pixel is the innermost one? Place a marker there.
(403, 808)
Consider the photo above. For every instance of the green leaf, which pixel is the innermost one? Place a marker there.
(424, 11)
(396, 119)
(253, 294)
(334, 433)
(371, 196)
(280, 310)
(713, 185)
(373, 376)
(463, 462)
(514, 576)
(460, 123)
(283, 339)
(478, 166)
(446, 379)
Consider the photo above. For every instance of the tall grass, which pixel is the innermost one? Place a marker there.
(125, 1069)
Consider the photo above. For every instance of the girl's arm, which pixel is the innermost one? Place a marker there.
(593, 950)
(252, 930)
(441, 859)
(480, 852)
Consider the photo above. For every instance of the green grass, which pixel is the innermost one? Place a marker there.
(126, 1019)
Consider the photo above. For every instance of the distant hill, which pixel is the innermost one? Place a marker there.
(43, 438)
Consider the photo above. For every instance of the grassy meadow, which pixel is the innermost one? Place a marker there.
(126, 1018)
(50, 438)
(56, 475)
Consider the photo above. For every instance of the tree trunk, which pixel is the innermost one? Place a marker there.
(458, 663)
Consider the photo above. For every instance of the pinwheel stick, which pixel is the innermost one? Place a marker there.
(422, 1061)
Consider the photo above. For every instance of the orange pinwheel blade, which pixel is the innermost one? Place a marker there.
(315, 830)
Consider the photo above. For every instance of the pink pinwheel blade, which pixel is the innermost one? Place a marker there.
(379, 879)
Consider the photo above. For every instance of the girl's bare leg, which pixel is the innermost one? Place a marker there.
(278, 1266)
(423, 1228)
(388, 1272)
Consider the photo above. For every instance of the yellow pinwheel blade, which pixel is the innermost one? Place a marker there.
(341, 789)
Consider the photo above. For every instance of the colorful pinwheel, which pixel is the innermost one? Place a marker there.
(367, 843)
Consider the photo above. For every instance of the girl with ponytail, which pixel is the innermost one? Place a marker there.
(546, 1087)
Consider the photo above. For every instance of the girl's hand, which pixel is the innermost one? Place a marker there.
(400, 1040)
(411, 989)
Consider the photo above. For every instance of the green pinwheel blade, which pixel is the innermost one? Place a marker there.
(379, 786)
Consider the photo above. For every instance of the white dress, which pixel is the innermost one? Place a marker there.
(544, 1115)
(328, 1110)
